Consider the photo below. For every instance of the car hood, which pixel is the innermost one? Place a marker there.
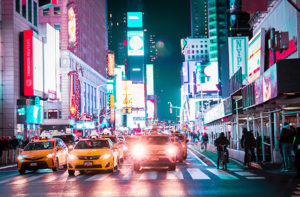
(90, 152)
(37, 153)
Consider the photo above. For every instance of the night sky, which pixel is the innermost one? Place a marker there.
(169, 21)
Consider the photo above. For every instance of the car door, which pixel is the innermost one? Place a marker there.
(64, 152)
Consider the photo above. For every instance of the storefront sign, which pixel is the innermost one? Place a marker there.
(238, 53)
(285, 53)
(28, 62)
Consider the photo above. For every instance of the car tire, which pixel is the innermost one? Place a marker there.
(56, 165)
(71, 172)
(172, 167)
(22, 172)
(136, 167)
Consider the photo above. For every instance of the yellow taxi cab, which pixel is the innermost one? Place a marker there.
(179, 151)
(93, 154)
(154, 150)
(43, 153)
(119, 145)
(183, 140)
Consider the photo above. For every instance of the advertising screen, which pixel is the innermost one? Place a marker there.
(149, 75)
(110, 64)
(238, 55)
(269, 81)
(119, 85)
(207, 77)
(150, 109)
(29, 114)
(33, 64)
(127, 94)
(255, 56)
(135, 43)
(258, 91)
(138, 95)
(185, 72)
(134, 19)
(72, 27)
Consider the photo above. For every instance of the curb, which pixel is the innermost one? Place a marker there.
(9, 166)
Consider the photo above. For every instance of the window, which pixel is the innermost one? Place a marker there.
(46, 12)
(30, 11)
(197, 51)
(205, 51)
(24, 8)
(192, 46)
(57, 27)
(56, 11)
(193, 51)
(201, 51)
(59, 114)
(52, 114)
(201, 46)
(35, 17)
(45, 115)
(18, 6)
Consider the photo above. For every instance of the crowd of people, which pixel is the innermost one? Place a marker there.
(10, 148)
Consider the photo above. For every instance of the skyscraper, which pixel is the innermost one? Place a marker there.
(199, 18)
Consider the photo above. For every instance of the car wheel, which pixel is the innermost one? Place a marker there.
(22, 172)
(71, 172)
(136, 167)
(172, 167)
(56, 165)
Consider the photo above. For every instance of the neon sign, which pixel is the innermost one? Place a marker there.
(285, 53)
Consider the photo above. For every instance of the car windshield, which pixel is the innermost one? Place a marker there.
(113, 139)
(66, 138)
(181, 137)
(39, 145)
(155, 140)
(92, 144)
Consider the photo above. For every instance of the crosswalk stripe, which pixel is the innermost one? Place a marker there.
(255, 177)
(7, 178)
(126, 174)
(174, 175)
(98, 177)
(149, 175)
(235, 169)
(222, 174)
(297, 192)
(197, 174)
(245, 173)
(26, 180)
(53, 178)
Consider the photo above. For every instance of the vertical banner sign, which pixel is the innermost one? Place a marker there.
(74, 94)
(110, 64)
(238, 55)
(72, 26)
(150, 82)
(112, 108)
(28, 62)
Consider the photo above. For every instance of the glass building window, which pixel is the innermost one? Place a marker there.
(52, 114)
(45, 115)
(46, 12)
(59, 114)
(30, 11)
(35, 16)
(24, 8)
(18, 6)
(56, 11)
(57, 27)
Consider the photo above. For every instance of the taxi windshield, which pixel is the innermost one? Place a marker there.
(66, 138)
(113, 139)
(92, 144)
(181, 137)
(155, 140)
(39, 145)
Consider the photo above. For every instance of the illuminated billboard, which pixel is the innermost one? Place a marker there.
(138, 95)
(127, 94)
(135, 43)
(134, 19)
(32, 64)
(256, 52)
(207, 77)
(149, 76)
(150, 109)
(112, 108)
(72, 27)
(110, 64)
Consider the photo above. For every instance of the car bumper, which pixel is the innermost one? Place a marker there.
(35, 165)
(100, 164)
(156, 161)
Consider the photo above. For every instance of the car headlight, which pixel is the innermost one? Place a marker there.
(70, 156)
(105, 156)
(125, 148)
(50, 155)
(21, 157)
(138, 151)
(71, 147)
(172, 150)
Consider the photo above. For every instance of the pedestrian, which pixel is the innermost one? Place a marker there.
(5, 150)
(248, 143)
(14, 145)
(296, 144)
(221, 143)
(286, 143)
(204, 141)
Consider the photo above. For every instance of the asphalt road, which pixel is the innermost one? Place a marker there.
(191, 178)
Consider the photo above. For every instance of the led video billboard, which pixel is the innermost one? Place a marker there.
(135, 43)
(134, 19)
(149, 76)
(138, 95)
(207, 77)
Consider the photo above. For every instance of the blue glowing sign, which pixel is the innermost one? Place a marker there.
(135, 43)
(134, 19)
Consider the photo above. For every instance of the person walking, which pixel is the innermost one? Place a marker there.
(221, 143)
(286, 143)
(296, 144)
(248, 143)
(204, 141)
(14, 145)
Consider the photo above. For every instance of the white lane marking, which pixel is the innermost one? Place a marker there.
(222, 174)
(26, 180)
(56, 176)
(7, 178)
(245, 173)
(297, 192)
(255, 177)
(126, 174)
(149, 175)
(97, 177)
(10, 166)
(235, 169)
(196, 173)
(197, 158)
(174, 175)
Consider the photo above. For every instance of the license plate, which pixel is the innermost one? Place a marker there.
(88, 163)
(33, 164)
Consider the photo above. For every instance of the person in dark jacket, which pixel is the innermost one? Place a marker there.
(286, 143)
(221, 143)
(296, 146)
(248, 143)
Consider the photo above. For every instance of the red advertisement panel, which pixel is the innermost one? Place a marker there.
(28, 63)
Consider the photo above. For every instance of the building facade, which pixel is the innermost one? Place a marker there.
(197, 49)
(199, 18)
